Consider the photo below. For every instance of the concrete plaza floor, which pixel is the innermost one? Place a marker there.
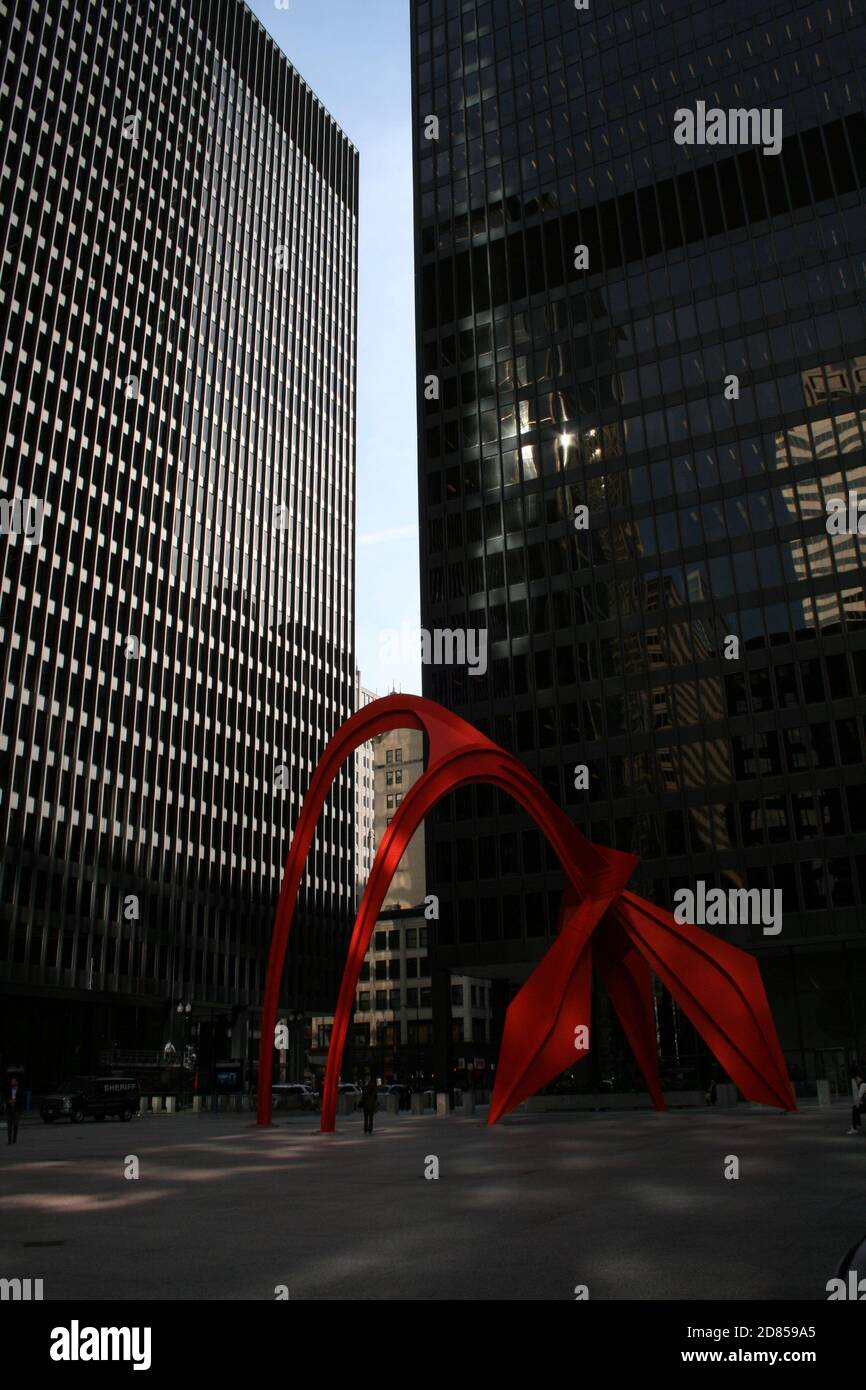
(632, 1204)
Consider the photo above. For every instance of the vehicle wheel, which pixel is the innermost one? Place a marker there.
(99, 1117)
(126, 1113)
(76, 1117)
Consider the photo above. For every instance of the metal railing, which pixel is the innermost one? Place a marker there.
(124, 1057)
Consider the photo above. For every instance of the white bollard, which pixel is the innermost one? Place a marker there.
(196, 1105)
(156, 1104)
(170, 1104)
(417, 1102)
(823, 1092)
(442, 1103)
(393, 1104)
(142, 1105)
(468, 1102)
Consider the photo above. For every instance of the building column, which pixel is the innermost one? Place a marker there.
(600, 1049)
(440, 982)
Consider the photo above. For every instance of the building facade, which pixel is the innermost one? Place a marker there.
(178, 291)
(640, 361)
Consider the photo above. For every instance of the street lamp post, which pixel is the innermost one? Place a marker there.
(183, 1014)
(295, 1020)
(418, 1086)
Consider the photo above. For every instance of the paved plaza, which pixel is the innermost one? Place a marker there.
(632, 1205)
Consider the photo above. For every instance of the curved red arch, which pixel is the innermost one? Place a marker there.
(539, 1037)
(445, 733)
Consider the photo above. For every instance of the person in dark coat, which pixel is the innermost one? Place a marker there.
(13, 1109)
(858, 1109)
(369, 1103)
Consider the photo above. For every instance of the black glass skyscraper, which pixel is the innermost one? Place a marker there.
(177, 298)
(620, 311)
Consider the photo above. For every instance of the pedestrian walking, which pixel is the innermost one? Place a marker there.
(13, 1109)
(859, 1107)
(370, 1104)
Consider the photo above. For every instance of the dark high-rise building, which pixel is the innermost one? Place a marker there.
(177, 297)
(632, 305)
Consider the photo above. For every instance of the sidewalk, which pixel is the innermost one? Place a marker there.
(635, 1205)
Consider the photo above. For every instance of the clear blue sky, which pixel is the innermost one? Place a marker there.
(355, 56)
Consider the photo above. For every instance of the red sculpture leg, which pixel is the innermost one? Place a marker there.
(533, 1050)
(393, 713)
(719, 988)
(628, 984)
(538, 1040)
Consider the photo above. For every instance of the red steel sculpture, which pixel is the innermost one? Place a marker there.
(717, 986)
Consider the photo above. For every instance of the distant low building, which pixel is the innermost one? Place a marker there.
(394, 1013)
(364, 822)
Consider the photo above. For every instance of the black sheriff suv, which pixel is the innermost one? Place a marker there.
(92, 1095)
